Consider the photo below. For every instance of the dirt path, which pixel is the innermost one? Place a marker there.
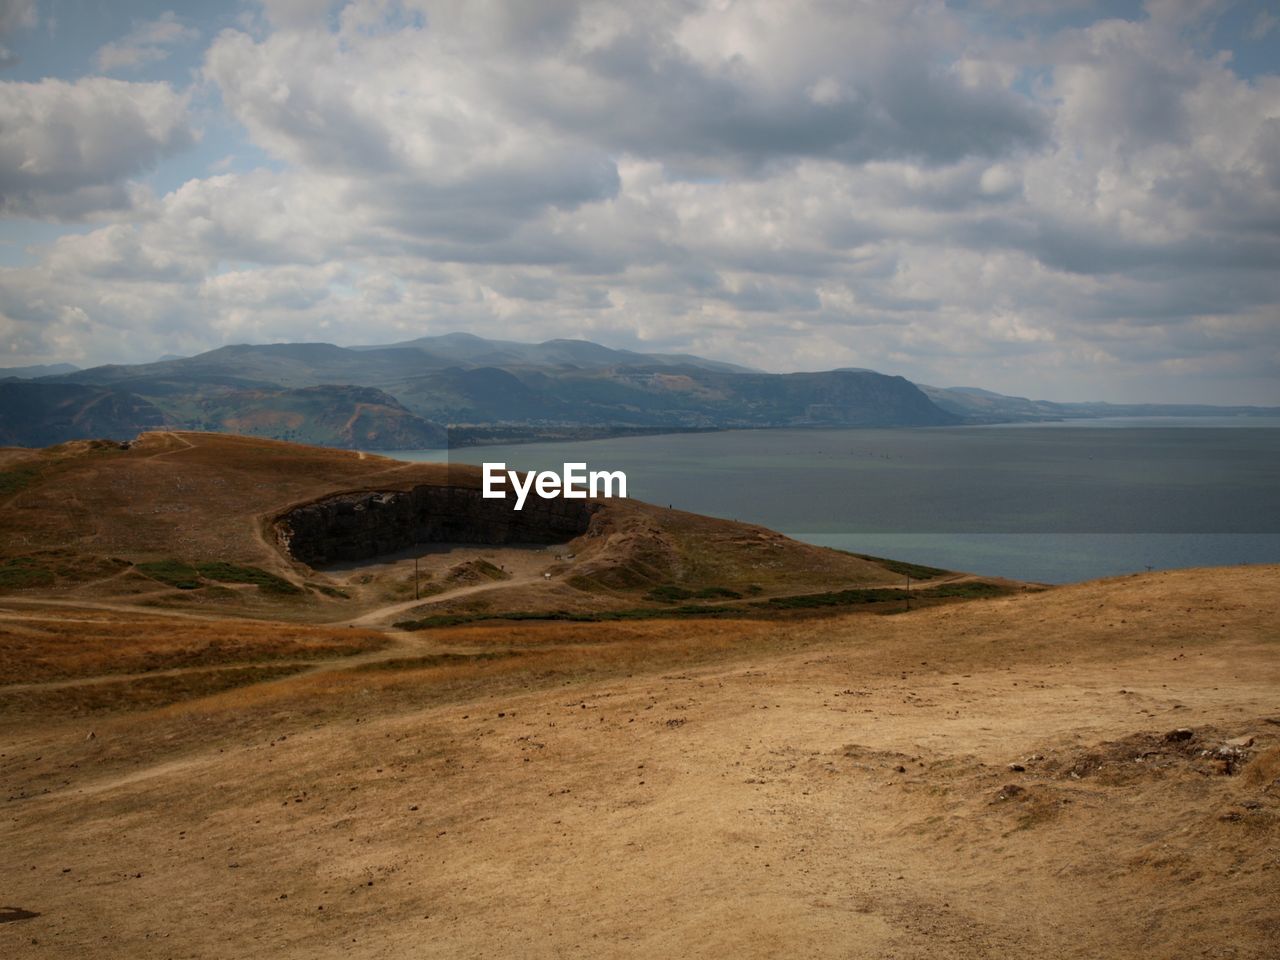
(160, 613)
(373, 617)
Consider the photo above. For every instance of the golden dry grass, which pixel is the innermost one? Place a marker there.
(41, 645)
(958, 782)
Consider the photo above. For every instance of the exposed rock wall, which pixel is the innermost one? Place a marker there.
(357, 526)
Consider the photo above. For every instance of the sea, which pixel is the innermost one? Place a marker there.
(1048, 502)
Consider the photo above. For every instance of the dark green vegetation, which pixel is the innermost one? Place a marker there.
(670, 593)
(972, 590)
(186, 576)
(172, 573)
(55, 568)
(863, 597)
(11, 481)
(916, 571)
(18, 572)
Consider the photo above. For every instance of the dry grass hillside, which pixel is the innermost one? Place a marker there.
(187, 520)
(1091, 771)
(671, 736)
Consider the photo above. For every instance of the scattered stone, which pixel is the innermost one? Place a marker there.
(1009, 792)
(1240, 742)
(1017, 768)
(1182, 733)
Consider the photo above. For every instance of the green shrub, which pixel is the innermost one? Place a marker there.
(670, 593)
(20, 572)
(915, 571)
(171, 572)
(189, 576)
(19, 478)
(233, 573)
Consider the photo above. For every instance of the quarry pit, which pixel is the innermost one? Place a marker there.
(368, 524)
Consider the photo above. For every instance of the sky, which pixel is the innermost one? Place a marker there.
(1060, 199)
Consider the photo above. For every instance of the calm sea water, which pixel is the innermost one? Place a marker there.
(1053, 502)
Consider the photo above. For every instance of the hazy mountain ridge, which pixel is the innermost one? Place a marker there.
(263, 390)
(39, 414)
(468, 349)
(37, 370)
(331, 416)
(976, 405)
(36, 414)
(401, 395)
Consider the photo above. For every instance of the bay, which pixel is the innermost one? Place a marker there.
(1052, 503)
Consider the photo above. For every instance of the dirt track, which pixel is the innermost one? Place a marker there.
(846, 792)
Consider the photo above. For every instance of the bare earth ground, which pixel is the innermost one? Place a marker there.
(837, 787)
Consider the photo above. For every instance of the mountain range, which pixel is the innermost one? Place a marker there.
(407, 395)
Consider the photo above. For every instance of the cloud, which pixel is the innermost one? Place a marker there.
(147, 42)
(401, 126)
(1081, 210)
(706, 88)
(14, 15)
(68, 150)
(1262, 25)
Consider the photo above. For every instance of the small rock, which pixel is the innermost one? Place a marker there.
(1240, 742)
(91, 736)
(1017, 768)
(1010, 791)
(1182, 733)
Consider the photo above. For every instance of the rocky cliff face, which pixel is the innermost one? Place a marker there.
(357, 526)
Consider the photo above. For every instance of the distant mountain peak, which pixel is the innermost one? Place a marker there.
(37, 370)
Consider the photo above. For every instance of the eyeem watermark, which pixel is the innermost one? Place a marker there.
(575, 483)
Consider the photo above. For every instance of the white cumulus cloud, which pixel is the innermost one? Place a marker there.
(68, 150)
